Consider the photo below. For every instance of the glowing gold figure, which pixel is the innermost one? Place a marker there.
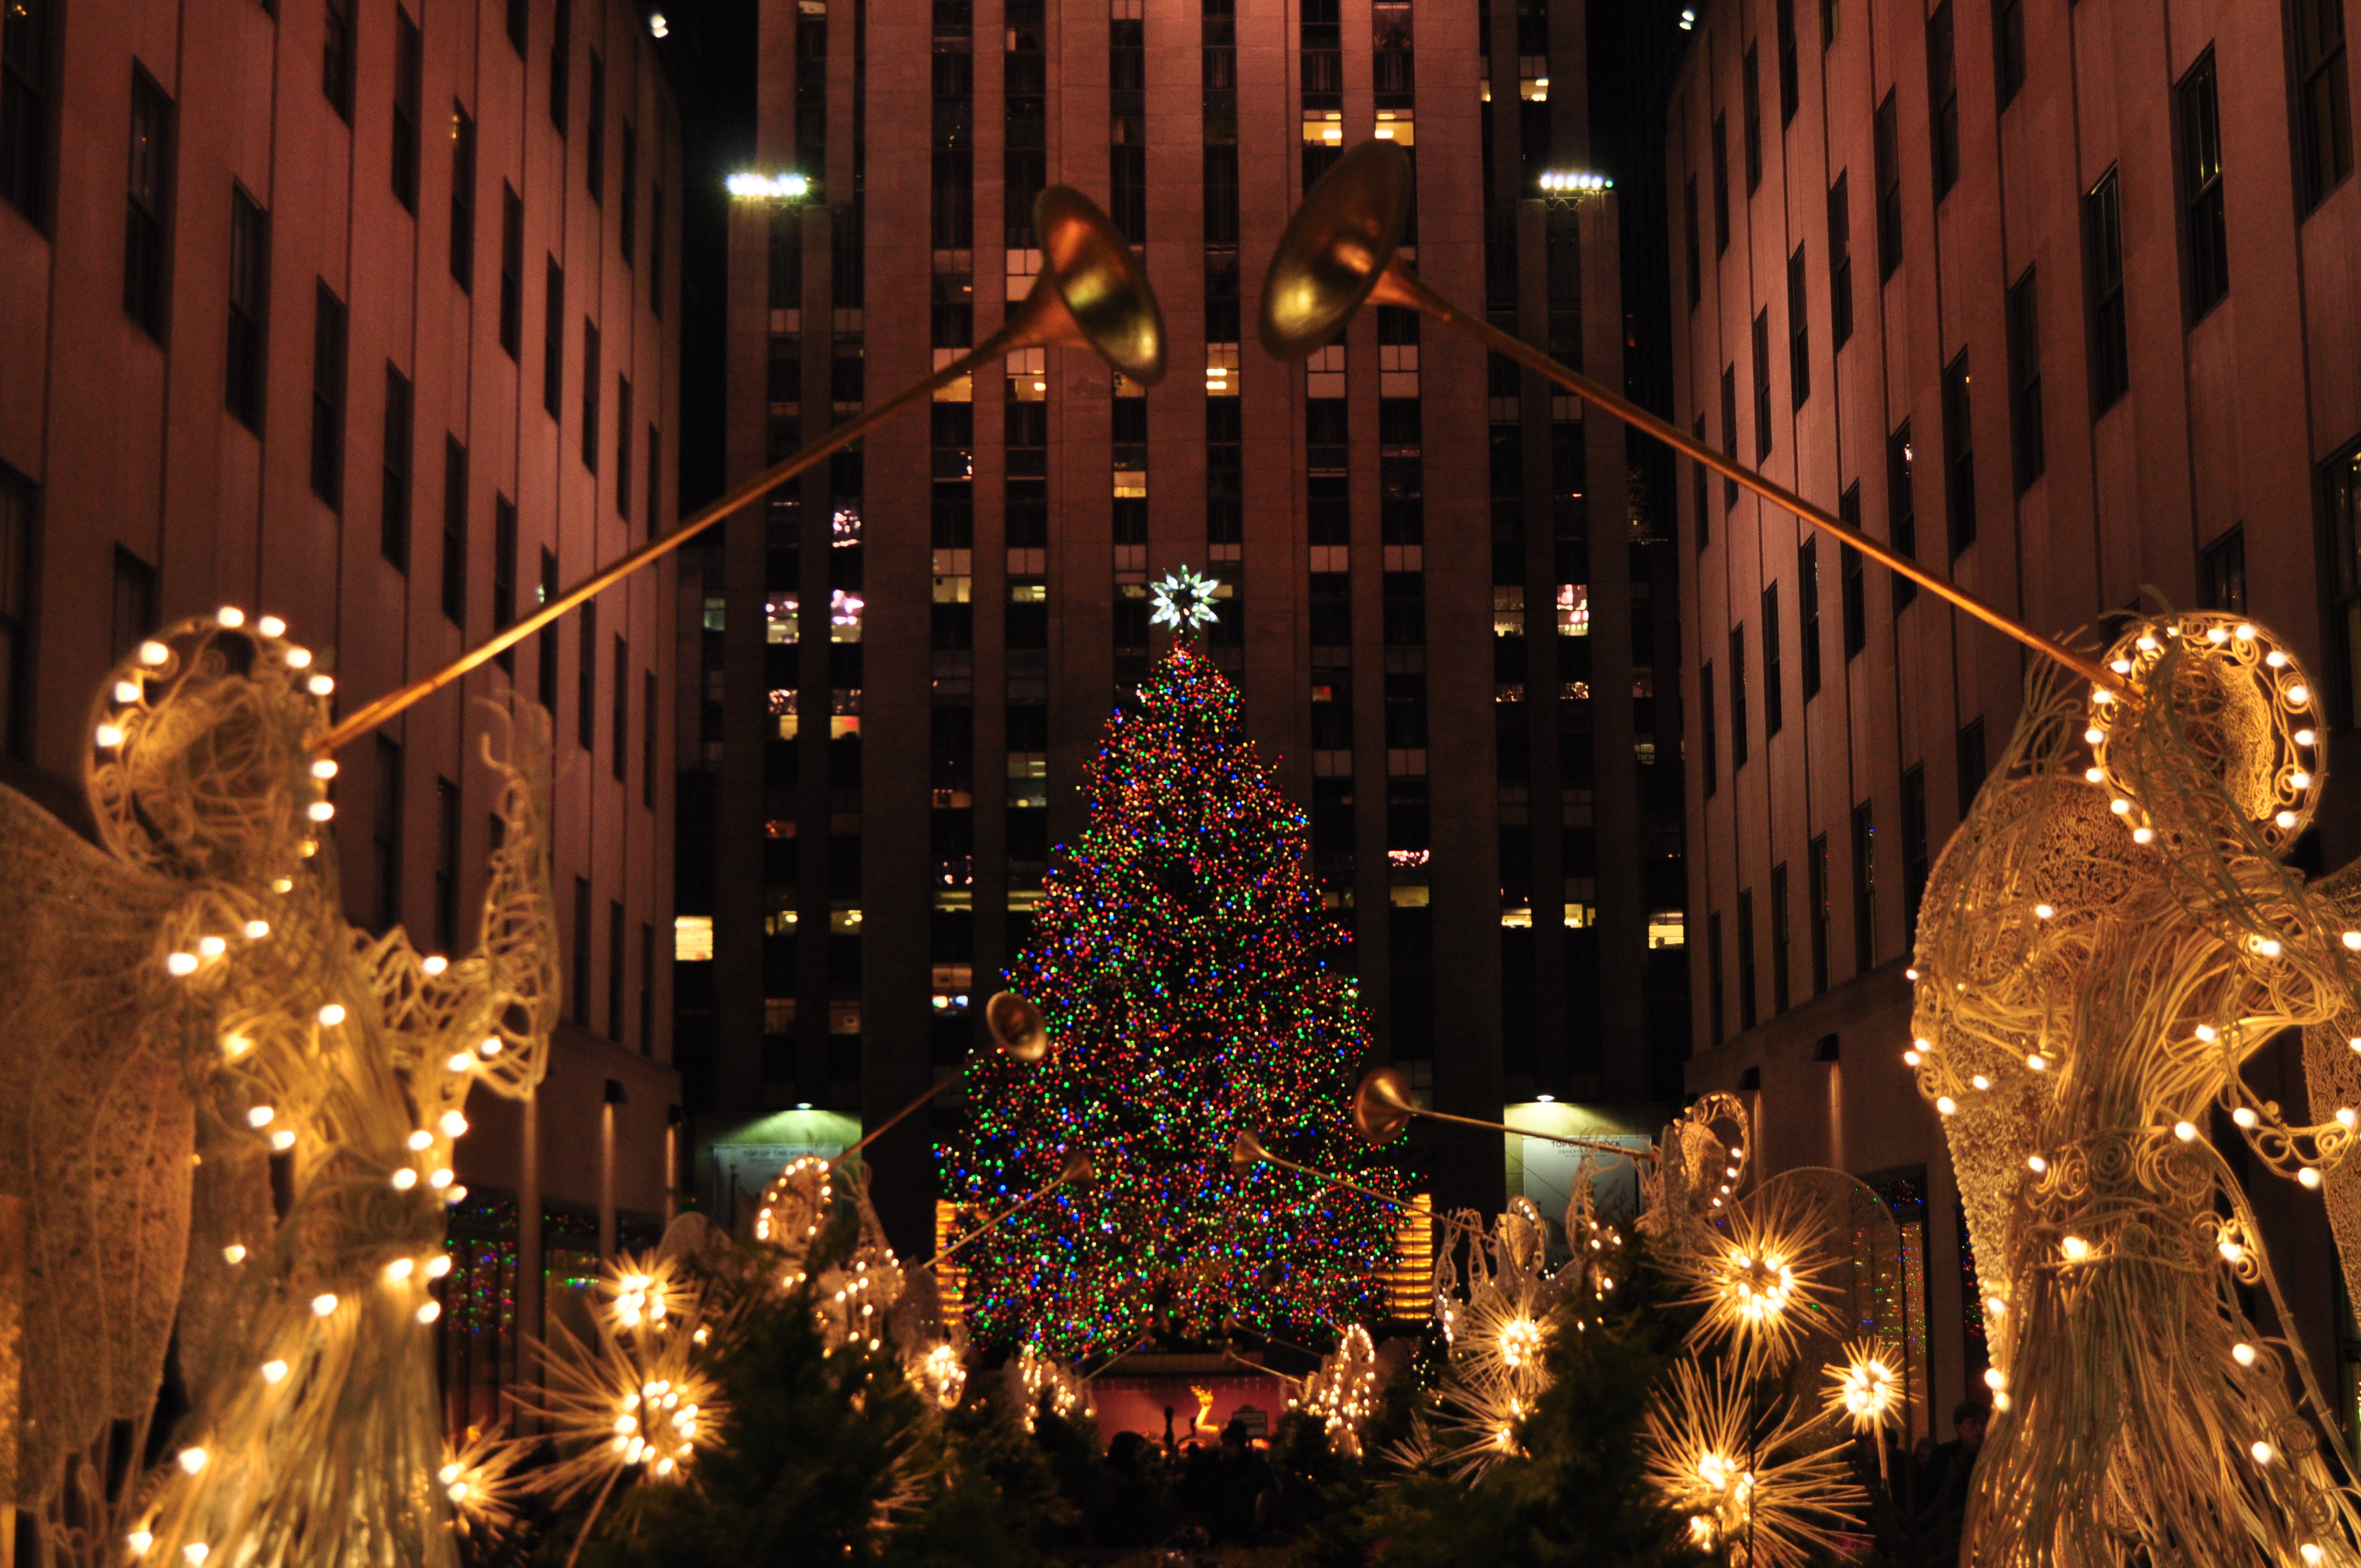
(2107, 940)
(226, 1116)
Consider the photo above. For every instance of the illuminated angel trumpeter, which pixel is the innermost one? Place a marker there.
(228, 1121)
(2107, 938)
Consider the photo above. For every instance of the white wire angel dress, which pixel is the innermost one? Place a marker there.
(228, 1117)
(2107, 938)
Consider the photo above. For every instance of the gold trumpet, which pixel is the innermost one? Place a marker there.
(1381, 1108)
(1091, 294)
(1018, 1031)
(1339, 252)
(1246, 1151)
(1078, 1169)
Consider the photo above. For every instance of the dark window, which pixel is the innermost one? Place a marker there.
(552, 341)
(1711, 761)
(615, 970)
(1943, 99)
(406, 107)
(1816, 893)
(17, 497)
(1692, 245)
(1782, 955)
(586, 680)
(1762, 386)
(1889, 187)
(1729, 430)
(2323, 109)
(2024, 381)
(511, 270)
(1221, 194)
(328, 398)
(545, 673)
(1807, 612)
(2008, 47)
(1900, 510)
(1746, 957)
(1775, 697)
(590, 395)
(2102, 247)
(1840, 262)
(648, 739)
(580, 989)
(627, 210)
(135, 612)
(655, 250)
(25, 106)
(454, 532)
(1850, 596)
(2204, 223)
(1128, 191)
(1713, 967)
(504, 573)
(2341, 494)
(1721, 183)
(147, 244)
(655, 481)
(385, 835)
(561, 63)
(1959, 455)
(620, 761)
(1698, 472)
(2222, 573)
(594, 159)
(1915, 856)
(1751, 81)
(446, 866)
(393, 523)
(1972, 766)
(336, 59)
(249, 307)
(1865, 889)
(623, 434)
(1799, 332)
(463, 198)
(1790, 87)
(519, 11)
(647, 989)
(1738, 726)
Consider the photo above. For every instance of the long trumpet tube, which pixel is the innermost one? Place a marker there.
(371, 713)
(1600, 1145)
(994, 1223)
(890, 1122)
(1399, 286)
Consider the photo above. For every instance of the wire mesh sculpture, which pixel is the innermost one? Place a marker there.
(2108, 938)
(229, 1117)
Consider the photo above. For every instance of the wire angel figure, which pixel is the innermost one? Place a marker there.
(226, 1119)
(2108, 937)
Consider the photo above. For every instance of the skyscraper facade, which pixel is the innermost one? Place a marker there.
(2050, 299)
(364, 314)
(1444, 609)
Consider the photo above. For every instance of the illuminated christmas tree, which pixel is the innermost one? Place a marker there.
(1192, 991)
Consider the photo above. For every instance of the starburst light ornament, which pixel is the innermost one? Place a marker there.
(1184, 601)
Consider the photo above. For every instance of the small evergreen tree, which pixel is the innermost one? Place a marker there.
(1193, 991)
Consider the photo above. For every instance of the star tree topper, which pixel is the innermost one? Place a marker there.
(1184, 601)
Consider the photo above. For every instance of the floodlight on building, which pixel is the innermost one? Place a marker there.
(769, 187)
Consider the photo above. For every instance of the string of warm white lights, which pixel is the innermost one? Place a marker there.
(2108, 938)
(324, 1066)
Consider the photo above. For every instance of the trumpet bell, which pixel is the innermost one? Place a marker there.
(1337, 246)
(1093, 292)
(1246, 1151)
(1381, 1105)
(1017, 1027)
